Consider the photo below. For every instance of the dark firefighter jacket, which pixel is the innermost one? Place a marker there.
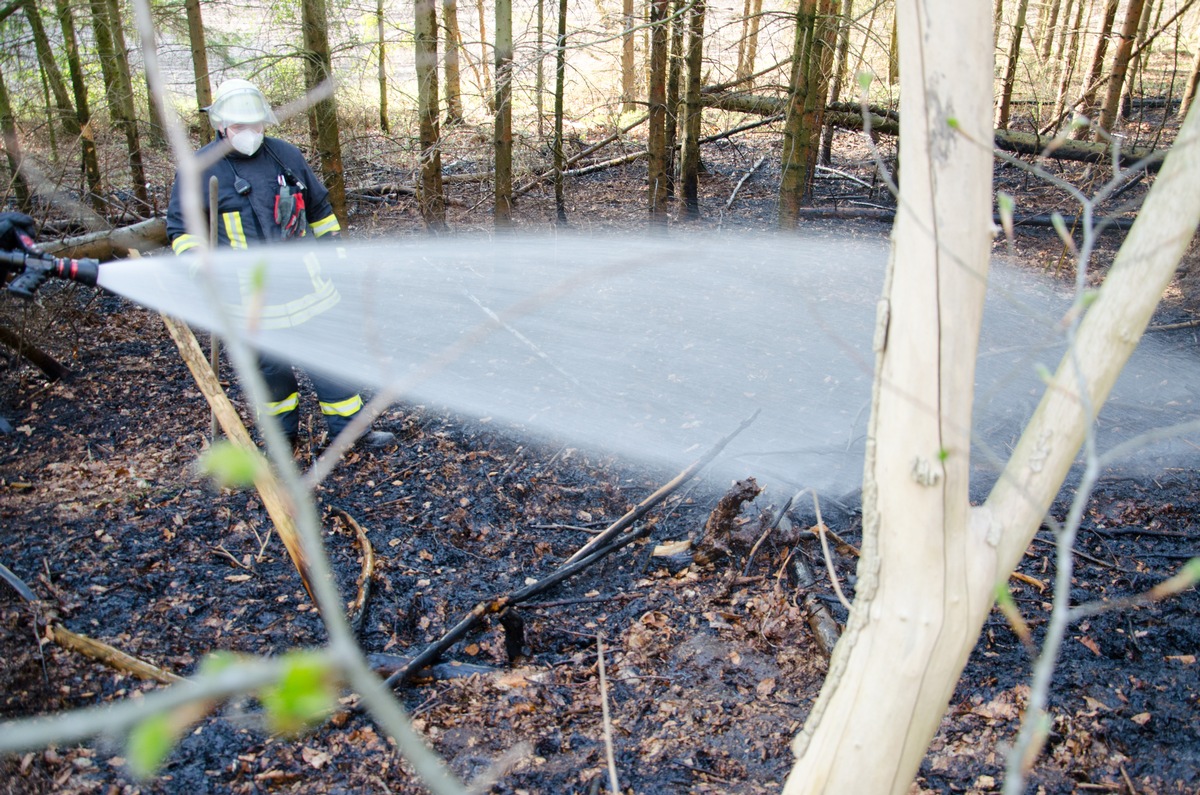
(247, 219)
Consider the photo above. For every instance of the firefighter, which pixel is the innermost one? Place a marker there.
(268, 194)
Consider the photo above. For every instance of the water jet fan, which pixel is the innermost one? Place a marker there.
(649, 348)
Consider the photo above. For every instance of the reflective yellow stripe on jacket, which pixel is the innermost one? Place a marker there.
(184, 242)
(326, 225)
(234, 230)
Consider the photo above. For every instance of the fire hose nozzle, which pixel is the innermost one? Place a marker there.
(35, 268)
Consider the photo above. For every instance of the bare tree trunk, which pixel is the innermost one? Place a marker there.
(560, 72)
(891, 676)
(811, 61)
(691, 147)
(430, 196)
(94, 190)
(657, 133)
(502, 214)
(839, 75)
(381, 42)
(1138, 61)
(1087, 107)
(628, 79)
(1060, 40)
(454, 111)
(675, 58)
(198, 42)
(489, 96)
(323, 116)
(1193, 80)
(114, 64)
(741, 61)
(1010, 73)
(1048, 21)
(746, 62)
(539, 87)
(12, 150)
(929, 563)
(1074, 50)
(1116, 82)
(50, 70)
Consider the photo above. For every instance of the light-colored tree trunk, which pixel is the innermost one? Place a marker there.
(94, 188)
(1073, 51)
(489, 96)
(1010, 72)
(1139, 60)
(1116, 81)
(381, 43)
(323, 116)
(628, 76)
(1048, 22)
(454, 111)
(748, 48)
(502, 213)
(431, 198)
(1092, 76)
(930, 563)
(1193, 80)
(914, 619)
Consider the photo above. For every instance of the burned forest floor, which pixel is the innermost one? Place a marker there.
(711, 665)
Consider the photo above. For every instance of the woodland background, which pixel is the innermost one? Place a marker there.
(418, 87)
(442, 120)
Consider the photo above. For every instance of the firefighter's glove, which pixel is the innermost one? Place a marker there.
(289, 211)
(16, 233)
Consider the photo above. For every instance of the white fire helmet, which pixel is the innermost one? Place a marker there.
(239, 102)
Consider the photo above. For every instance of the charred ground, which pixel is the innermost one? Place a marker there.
(711, 668)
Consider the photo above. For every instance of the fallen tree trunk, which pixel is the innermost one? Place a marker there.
(113, 243)
(53, 369)
(1006, 140)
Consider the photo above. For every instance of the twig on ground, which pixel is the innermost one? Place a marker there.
(17, 584)
(821, 530)
(742, 181)
(820, 620)
(645, 505)
(358, 608)
(613, 783)
(110, 656)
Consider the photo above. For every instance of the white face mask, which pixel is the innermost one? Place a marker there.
(246, 141)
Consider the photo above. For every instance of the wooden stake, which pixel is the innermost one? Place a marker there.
(273, 496)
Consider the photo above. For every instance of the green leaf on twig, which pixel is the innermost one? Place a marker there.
(149, 743)
(304, 694)
(232, 466)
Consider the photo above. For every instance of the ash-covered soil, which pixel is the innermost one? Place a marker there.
(711, 668)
